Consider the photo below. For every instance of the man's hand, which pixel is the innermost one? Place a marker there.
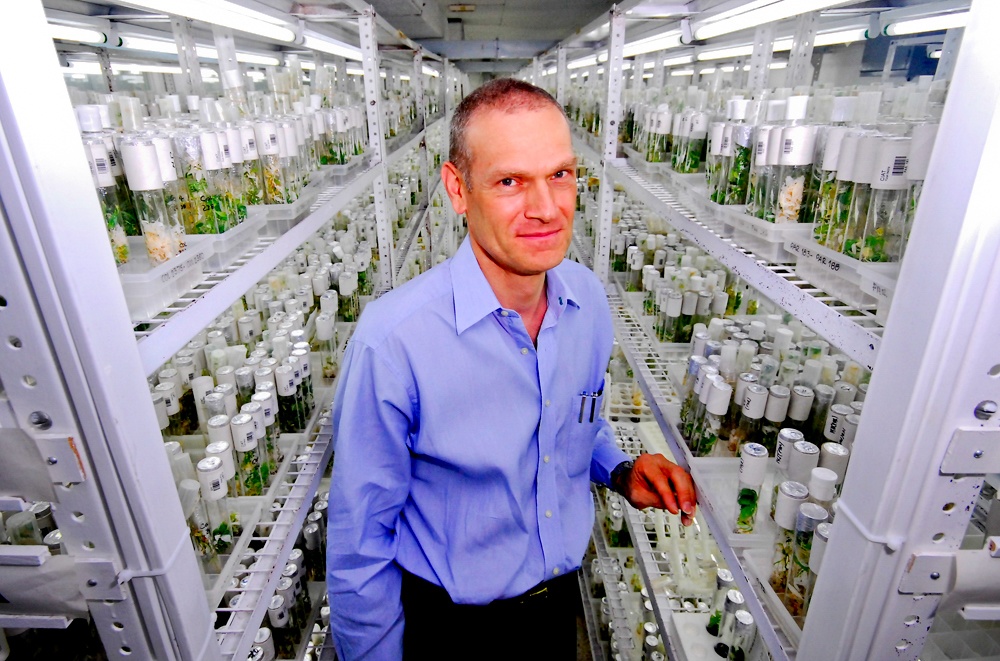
(656, 481)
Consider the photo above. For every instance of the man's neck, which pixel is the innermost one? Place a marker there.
(525, 294)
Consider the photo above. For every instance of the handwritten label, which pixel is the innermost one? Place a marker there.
(182, 267)
(879, 290)
(831, 264)
(799, 249)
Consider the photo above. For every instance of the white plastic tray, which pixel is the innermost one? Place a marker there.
(719, 479)
(766, 240)
(833, 272)
(232, 244)
(150, 289)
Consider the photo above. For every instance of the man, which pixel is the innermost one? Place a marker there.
(465, 445)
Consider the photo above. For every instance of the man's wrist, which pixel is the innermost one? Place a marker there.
(620, 476)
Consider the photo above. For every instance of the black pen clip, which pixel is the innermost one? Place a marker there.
(583, 403)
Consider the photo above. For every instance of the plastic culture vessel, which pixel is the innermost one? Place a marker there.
(253, 188)
(844, 192)
(716, 408)
(726, 151)
(789, 495)
(162, 233)
(270, 162)
(697, 137)
(713, 158)
(288, 153)
(794, 172)
(753, 470)
(199, 526)
(175, 193)
(885, 225)
(107, 196)
(248, 460)
(657, 149)
(920, 156)
(232, 163)
(799, 586)
(864, 172)
(825, 182)
(679, 133)
(198, 219)
(743, 145)
(223, 523)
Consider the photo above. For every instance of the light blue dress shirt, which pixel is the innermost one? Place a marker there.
(459, 451)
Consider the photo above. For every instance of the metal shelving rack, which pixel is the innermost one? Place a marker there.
(74, 376)
(894, 554)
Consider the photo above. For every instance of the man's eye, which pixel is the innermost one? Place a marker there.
(562, 174)
(507, 181)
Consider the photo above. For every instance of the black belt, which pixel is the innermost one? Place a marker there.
(543, 591)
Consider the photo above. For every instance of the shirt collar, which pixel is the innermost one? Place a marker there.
(474, 297)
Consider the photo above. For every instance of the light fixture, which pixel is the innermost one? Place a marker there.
(682, 72)
(206, 52)
(723, 53)
(681, 59)
(706, 71)
(841, 37)
(433, 73)
(935, 54)
(226, 14)
(928, 24)
(778, 65)
(761, 14)
(658, 42)
(73, 33)
(331, 46)
(588, 61)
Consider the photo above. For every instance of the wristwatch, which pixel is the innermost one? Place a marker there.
(619, 476)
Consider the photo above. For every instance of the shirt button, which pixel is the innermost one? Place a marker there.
(545, 458)
(524, 351)
(548, 514)
(548, 402)
(555, 572)
(504, 313)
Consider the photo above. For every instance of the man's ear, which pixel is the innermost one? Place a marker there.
(452, 180)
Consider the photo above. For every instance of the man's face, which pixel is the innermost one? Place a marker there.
(523, 188)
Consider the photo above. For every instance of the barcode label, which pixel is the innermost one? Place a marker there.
(101, 165)
(789, 143)
(225, 150)
(760, 147)
(725, 143)
(273, 139)
(111, 158)
(216, 485)
(252, 144)
(899, 166)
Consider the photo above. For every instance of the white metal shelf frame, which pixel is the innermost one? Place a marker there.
(855, 332)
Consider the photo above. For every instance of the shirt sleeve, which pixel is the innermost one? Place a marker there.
(372, 416)
(606, 455)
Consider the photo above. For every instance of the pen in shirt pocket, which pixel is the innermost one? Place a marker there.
(592, 397)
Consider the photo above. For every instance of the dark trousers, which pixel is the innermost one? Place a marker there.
(540, 624)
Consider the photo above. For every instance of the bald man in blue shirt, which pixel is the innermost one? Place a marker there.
(460, 505)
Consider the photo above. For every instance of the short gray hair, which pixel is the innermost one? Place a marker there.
(504, 94)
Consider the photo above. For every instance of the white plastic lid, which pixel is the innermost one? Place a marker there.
(739, 109)
(922, 144)
(777, 403)
(796, 108)
(211, 153)
(848, 151)
(797, 144)
(715, 138)
(248, 143)
(891, 164)
(865, 160)
(284, 380)
(775, 110)
(866, 107)
(843, 109)
(699, 125)
(190, 493)
(783, 338)
(755, 401)
(822, 483)
(753, 464)
(831, 149)
(256, 411)
(244, 434)
(89, 118)
(835, 457)
(801, 403)
(774, 145)
(142, 166)
(165, 158)
(843, 392)
(802, 459)
(234, 139)
(791, 494)
(212, 478)
(267, 139)
(224, 451)
(718, 397)
(787, 438)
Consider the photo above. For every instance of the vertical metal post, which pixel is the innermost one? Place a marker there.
(373, 107)
(638, 68)
(890, 56)
(949, 54)
(229, 69)
(418, 95)
(536, 72)
(609, 141)
(800, 70)
(107, 75)
(562, 76)
(656, 82)
(187, 56)
(902, 508)
(340, 80)
(760, 60)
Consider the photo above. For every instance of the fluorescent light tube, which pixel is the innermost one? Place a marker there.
(72, 33)
(928, 24)
(207, 52)
(775, 11)
(674, 61)
(331, 47)
(226, 14)
(588, 61)
(682, 72)
(705, 72)
(428, 71)
(841, 37)
(935, 54)
(663, 41)
(722, 53)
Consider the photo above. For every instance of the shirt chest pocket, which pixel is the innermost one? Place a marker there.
(575, 443)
